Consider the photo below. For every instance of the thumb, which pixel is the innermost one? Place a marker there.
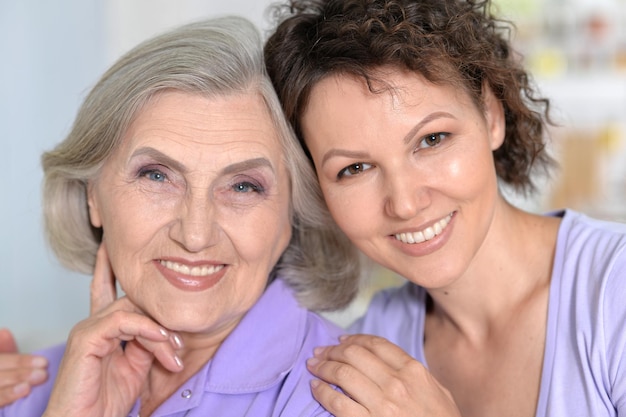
(7, 342)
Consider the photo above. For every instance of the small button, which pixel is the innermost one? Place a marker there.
(186, 393)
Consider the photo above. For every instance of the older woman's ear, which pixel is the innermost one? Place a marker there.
(94, 211)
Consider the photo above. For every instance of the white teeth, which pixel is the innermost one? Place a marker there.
(426, 234)
(194, 271)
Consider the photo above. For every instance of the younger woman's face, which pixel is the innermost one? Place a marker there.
(408, 174)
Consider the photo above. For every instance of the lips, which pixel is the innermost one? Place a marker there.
(189, 277)
(425, 234)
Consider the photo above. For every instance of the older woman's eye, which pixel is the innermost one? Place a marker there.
(432, 139)
(153, 175)
(353, 169)
(247, 187)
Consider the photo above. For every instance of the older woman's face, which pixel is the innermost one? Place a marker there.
(194, 206)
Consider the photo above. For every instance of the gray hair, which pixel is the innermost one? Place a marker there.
(215, 57)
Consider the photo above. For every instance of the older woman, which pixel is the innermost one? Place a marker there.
(180, 182)
(415, 113)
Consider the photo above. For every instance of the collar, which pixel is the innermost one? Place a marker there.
(262, 349)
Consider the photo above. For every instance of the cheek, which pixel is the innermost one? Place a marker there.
(262, 236)
(470, 174)
(130, 226)
(353, 209)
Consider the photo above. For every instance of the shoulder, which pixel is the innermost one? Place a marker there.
(398, 315)
(389, 306)
(295, 398)
(588, 250)
(590, 260)
(587, 305)
(583, 235)
(35, 403)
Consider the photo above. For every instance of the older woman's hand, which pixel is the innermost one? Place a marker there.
(18, 372)
(108, 355)
(379, 378)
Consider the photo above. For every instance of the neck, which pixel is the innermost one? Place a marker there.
(512, 267)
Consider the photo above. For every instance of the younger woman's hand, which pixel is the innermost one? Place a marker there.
(18, 372)
(378, 379)
(109, 355)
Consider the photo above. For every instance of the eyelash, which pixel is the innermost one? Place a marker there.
(147, 172)
(248, 185)
(242, 186)
(437, 136)
(359, 167)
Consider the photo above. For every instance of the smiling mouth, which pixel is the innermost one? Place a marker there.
(194, 271)
(425, 234)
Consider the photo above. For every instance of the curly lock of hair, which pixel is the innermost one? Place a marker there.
(448, 42)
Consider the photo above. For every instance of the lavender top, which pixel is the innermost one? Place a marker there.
(258, 371)
(584, 366)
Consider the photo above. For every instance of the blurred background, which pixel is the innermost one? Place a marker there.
(51, 53)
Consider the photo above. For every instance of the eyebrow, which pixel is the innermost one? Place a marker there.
(177, 166)
(248, 164)
(345, 153)
(407, 138)
(433, 116)
(161, 157)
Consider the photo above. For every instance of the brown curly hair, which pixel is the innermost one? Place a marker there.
(449, 42)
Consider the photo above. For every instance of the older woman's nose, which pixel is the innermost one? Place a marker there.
(195, 228)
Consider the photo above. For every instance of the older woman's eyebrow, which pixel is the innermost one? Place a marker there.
(178, 166)
(248, 164)
(160, 157)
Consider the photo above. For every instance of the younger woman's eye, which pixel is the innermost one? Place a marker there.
(153, 175)
(432, 139)
(354, 169)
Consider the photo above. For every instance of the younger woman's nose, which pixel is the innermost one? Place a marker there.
(405, 196)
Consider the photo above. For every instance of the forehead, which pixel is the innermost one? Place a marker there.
(209, 128)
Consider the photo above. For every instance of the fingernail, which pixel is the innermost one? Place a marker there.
(178, 361)
(37, 376)
(315, 383)
(343, 337)
(312, 362)
(39, 362)
(163, 332)
(318, 351)
(21, 389)
(177, 341)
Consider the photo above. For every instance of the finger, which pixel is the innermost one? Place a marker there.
(351, 380)
(336, 402)
(13, 393)
(7, 342)
(103, 333)
(366, 368)
(13, 377)
(389, 353)
(103, 291)
(17, 360)
(162, 351)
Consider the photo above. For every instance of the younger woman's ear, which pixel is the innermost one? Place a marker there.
(92, 203)
(494, 115)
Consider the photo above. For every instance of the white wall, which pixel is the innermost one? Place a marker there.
(51, 53)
